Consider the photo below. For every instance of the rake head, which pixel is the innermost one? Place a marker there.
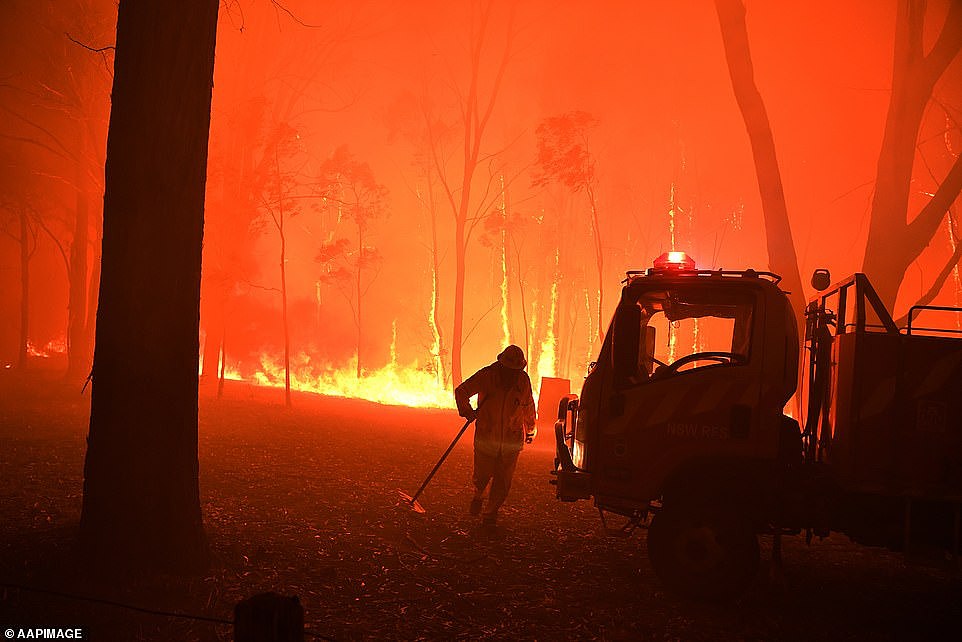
(410, 502)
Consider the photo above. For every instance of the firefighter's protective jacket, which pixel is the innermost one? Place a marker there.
(505, 416)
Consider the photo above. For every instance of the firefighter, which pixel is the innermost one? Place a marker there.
(505, 422)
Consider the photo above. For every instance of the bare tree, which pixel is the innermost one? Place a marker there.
(59, 111)
(279, 201)
(468, 208)
(261, 100)
(496, 236)
(141, 503)
(232, 209)
(438, 349)
(782, 258)
(348, 186)
(563, 157)
(22, 218)
(410, 117)
(506, 232)
(894, 241)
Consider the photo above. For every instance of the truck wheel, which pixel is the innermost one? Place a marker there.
(703, 551)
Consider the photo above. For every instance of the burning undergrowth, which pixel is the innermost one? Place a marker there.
(392, 384)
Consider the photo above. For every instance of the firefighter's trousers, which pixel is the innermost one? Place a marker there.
(498, 471)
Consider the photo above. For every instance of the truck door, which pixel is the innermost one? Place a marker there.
(685, 384)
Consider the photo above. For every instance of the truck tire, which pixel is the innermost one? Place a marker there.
(703, 550)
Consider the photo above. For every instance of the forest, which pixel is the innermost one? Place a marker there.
(391, 192)
(337, 212)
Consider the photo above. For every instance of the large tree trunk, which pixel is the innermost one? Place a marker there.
(893, 242)
(78, 348)
(778, 232)
(141, 505)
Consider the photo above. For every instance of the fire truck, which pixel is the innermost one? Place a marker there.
(684, 426)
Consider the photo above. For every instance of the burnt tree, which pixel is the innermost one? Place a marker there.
(564, 158)
(56, 116)
(896, 237)
(778, 230)
(348, 186)
(141, 505)
(475, 108)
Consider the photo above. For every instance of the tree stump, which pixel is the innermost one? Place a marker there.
(269, 617)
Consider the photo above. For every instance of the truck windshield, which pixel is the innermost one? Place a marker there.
(670, 331)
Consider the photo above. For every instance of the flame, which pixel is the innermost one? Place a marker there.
(505, 329)
(673, 326)
(394, 343)
(230, 372)
(672, 340)
(393, 384)
(34, 352)
(53, 347)
(546, 361)
(671, 216)
(435, 334)
(589, 351)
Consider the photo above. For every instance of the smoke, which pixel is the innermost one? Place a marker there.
(388, 82)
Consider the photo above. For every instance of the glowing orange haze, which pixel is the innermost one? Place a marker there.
(380, 85)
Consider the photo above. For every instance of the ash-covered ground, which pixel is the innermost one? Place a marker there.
(305, 502)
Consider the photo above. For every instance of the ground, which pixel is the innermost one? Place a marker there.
(305, 501)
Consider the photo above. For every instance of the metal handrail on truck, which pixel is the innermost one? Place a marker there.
(939, 308)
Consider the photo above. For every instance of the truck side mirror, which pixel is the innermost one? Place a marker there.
(649, 346)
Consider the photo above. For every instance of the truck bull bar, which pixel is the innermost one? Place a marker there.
(573, 483)
(564, 437)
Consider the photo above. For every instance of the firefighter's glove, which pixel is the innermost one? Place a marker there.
(469, 413)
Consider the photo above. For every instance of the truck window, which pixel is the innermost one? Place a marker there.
(693, 329)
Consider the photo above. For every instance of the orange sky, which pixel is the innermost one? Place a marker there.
(652, 74)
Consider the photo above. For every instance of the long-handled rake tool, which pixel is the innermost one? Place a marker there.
(412, 501)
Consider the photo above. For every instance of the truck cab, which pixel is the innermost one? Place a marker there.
(681, 419)
(692, 377)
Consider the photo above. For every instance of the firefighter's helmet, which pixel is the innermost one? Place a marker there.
(512, 357)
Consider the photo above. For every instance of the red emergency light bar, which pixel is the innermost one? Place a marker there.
(674, 261)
